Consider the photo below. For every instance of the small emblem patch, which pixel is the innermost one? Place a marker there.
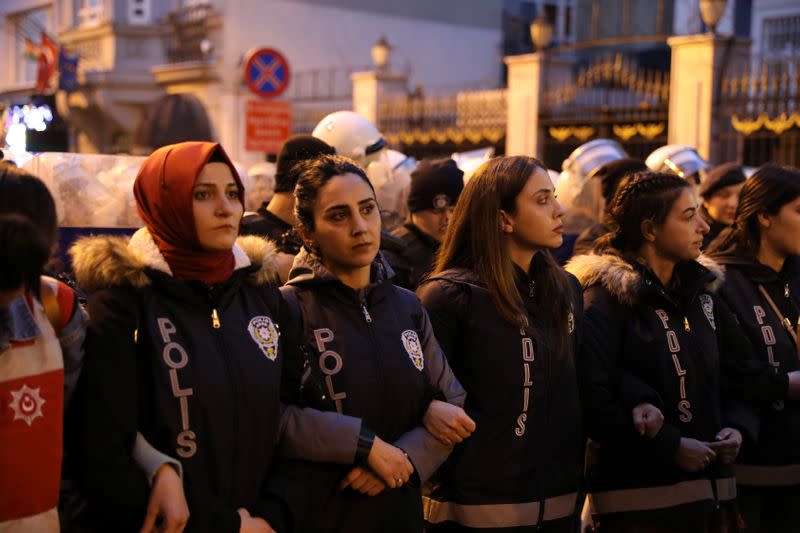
(263, 331)
(413, 348)
(708, 309)
(441, 201)
(27, 404)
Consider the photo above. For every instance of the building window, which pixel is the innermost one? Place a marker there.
(91, 12)
(781, 36)
(139, 11)
(28, 28)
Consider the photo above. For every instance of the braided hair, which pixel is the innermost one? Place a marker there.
(646, 196)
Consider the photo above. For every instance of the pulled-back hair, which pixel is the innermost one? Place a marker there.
(474, 241)
(645, 196)
(313, 175)
(27, 195)
(765, 192)
(26, 251)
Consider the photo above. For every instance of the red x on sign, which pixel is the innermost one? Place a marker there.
(267, 72)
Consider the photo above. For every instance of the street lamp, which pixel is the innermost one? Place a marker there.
(711, 12)
(541, 32)
(380, 53)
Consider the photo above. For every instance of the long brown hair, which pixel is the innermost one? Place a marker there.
(474, 241)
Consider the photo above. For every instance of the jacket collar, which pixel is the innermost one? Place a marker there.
(759, 272)
(630, 282)
(106, 261)
(469, 277)
(17, 322)
(308, 269)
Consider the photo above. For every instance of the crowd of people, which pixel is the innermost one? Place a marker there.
(318, 366)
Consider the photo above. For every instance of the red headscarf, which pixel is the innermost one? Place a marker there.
(163, 191)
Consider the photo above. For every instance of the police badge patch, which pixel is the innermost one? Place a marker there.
(413, 348)
(263, 331)
(708, 309)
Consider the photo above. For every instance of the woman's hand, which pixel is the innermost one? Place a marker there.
(647, 419)
(390, 463)
(167, 504)
(729, 441)
(447, 422)
(364, 481)
(693, 455)
(252, 524)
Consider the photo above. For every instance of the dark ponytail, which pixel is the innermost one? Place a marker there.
(646, 196)
(25, 249)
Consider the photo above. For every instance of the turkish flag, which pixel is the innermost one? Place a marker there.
(47, 63)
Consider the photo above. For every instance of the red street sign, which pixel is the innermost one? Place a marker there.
(266, 72)
(267, 125)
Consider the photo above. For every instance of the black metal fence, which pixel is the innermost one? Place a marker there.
(433, 125)
(759, 114)
(611, 98)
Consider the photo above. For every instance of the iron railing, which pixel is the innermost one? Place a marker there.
(759, 113)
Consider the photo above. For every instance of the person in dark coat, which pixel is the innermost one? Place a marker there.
(275, 219)
(435, 187)
(369, 352)
(509, 320)
(720, 192)
(183, 351)
(664, 430)
(611, 175)
(761, 256)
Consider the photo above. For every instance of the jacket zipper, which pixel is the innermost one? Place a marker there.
(217, 324)
(713, 482)
(365, 312)
(543, 498)
(376, 354)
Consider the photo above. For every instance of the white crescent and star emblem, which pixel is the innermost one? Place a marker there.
(27, 404)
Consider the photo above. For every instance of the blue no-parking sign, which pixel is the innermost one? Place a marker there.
(267, 72)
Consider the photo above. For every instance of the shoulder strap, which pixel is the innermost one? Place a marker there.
(785, 322)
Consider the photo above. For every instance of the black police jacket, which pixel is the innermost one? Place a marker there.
(523, 464)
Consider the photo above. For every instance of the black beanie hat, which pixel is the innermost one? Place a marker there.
(612, 173)
(435, 183)
(721, 176)
(294, 150)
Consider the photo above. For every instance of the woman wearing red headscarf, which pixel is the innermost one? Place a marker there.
(183, 348)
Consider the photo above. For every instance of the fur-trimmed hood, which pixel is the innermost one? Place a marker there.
(108, 261)
(624, 280)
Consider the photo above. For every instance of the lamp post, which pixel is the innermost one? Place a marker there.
(541, 32)
(380, 54)
(711, 12)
